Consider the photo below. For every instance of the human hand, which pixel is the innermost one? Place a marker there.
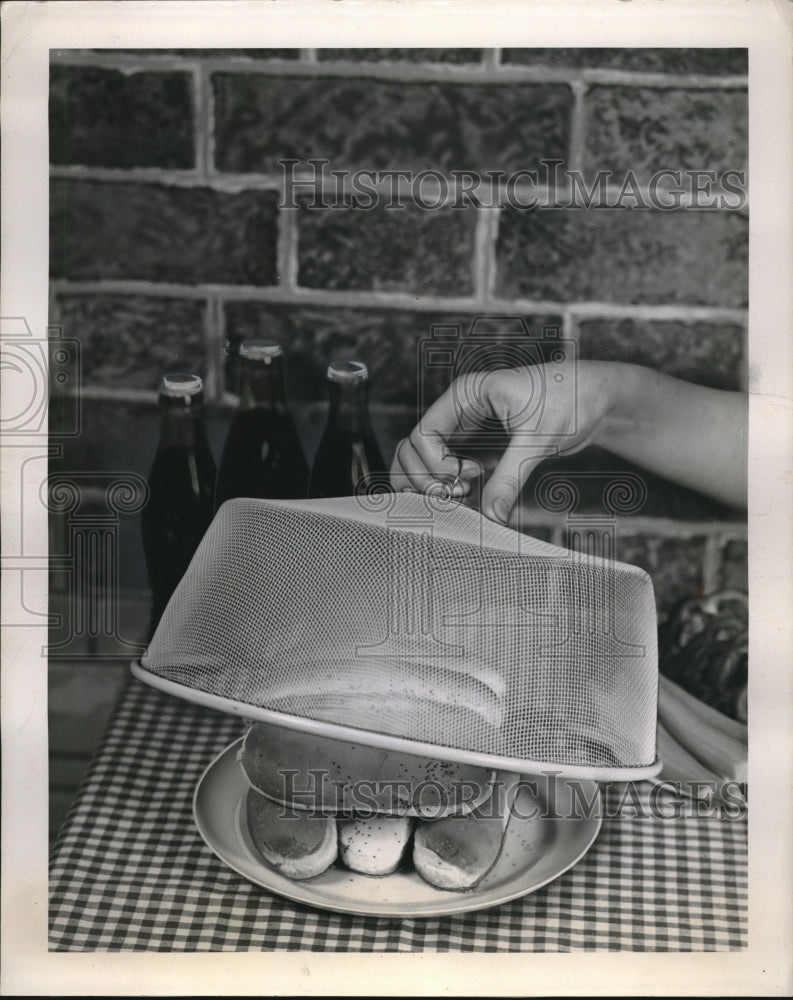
(545, 410)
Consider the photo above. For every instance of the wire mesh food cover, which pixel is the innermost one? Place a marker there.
(409, 622)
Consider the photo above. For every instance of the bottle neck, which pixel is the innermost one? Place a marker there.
(349, 407)
(180, 421)
(261, 384)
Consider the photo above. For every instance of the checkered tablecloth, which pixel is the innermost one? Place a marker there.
(129, 870)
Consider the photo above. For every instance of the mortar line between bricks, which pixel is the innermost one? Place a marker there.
(484, 256)
(287, 250)
(569, 329)
(227, 183)
(648, 311)
(711, 559)
(398, 300)
(628, 526)
(577, 126)
(492, 274)
(521, 196)
(398, 71)
(697, 81)
(201, 123)
(213, 345)
(674, 528)
(271, 293)
(209, 125)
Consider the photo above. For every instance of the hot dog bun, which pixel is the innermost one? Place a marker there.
(300, 845)
(374, 845)
(458, 851)
(332, 776)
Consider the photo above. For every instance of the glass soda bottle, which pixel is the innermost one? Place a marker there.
(348, 460)
(181, 488)
(262, 455)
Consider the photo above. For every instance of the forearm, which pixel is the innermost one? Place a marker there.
(684, 432)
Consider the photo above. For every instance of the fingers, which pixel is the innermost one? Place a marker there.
(425, 460)
(408, 472)
(507, 480)
(429, 437)
(540, 425)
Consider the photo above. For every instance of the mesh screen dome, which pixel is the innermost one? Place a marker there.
(409, 622)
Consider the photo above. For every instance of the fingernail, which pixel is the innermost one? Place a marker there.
(501, 510)
(471, 470)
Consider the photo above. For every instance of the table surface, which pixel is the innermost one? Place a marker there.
(129, 870)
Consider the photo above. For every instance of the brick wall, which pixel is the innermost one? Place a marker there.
(168, 242)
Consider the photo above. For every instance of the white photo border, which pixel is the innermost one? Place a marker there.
(29, 31)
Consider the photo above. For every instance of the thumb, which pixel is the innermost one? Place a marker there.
(507, 480)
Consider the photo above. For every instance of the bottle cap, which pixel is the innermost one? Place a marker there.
(181, 384)
(347, 371)
(261, 350)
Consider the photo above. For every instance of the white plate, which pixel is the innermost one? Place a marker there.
(537, 849)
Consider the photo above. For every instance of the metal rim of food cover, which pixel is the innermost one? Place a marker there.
(386, 741)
